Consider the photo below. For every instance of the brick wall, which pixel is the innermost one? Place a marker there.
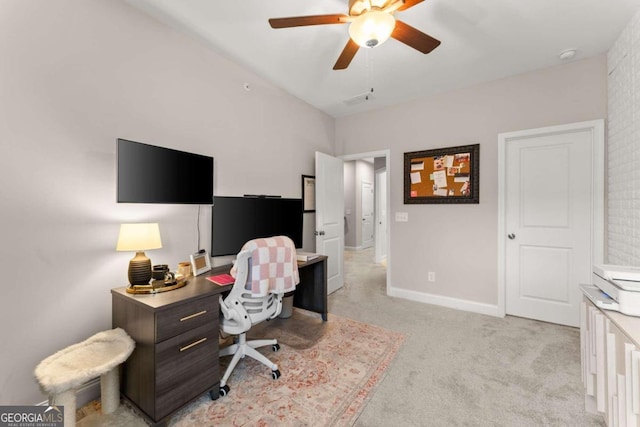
(623, 62)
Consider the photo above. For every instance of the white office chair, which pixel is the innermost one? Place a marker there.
(264, 270)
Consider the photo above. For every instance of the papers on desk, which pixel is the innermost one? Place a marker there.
(306, 256)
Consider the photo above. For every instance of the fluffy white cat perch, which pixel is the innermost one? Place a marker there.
(98, 356)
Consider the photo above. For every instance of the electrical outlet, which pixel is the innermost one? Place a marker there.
(431, 276)
(402, 216)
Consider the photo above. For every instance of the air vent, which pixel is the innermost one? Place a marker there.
(359, 99)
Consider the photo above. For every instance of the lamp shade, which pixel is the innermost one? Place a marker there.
(139, 237)
(372, 28)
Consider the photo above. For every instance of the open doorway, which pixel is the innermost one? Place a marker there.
(366, 206)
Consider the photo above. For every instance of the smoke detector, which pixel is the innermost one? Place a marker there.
(567, 54)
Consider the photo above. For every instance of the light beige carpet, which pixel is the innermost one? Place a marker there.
(458, 368)
(329, 371)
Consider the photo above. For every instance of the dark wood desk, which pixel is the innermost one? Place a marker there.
(176, 356)
(176, 333)
(311, 293)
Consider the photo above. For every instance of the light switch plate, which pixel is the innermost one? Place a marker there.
(402, 216)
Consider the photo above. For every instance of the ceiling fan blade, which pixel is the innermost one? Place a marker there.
(347, 55)
(302, 21)
(409, 3)
(414, 38)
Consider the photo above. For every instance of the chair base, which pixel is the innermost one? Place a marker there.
(243, 348)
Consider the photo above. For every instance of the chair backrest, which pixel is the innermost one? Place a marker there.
(274, 267)
(260, 265)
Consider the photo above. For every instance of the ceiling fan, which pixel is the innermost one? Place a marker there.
(372, 23)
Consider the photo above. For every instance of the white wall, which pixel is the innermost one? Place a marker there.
(459, 242)
(623, 178)
(350, 204)
(74, 76)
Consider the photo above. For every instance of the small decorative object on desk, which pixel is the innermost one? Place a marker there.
(306, 256)
(222, 279)
(200, 262)
(159, 271)
(171, 282)
(184, 268)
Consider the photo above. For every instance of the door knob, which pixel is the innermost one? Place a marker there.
(511, 236)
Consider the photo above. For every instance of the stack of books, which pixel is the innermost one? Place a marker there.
(306, 256)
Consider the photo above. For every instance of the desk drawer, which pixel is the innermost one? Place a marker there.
(181, 318)
(186, 366)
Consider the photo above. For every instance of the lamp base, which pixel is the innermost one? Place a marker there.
(139, 269)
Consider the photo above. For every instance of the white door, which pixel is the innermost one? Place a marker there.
(330, 216)
(381, 216)
(550, 186)
(366, 199)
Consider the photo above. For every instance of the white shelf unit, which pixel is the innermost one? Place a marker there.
(610, 354)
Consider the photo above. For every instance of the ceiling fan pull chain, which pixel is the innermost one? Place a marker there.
(370, 67)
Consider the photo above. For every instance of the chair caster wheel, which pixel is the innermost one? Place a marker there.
(275, 374)
(275, 347)
(224, 390)
(214, 394)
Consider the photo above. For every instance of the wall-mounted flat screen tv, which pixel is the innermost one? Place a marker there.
(236, 220)
(150, 174)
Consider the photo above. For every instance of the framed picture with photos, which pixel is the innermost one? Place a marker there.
(308, 193)
(442, 175)
(200, 262)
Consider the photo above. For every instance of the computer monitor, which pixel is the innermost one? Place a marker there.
(236, 220)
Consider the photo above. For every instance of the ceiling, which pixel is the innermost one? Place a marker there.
(482, 40)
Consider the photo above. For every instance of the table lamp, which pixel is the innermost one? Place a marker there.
(139, 237)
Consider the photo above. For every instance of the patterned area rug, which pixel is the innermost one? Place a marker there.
(329, 371)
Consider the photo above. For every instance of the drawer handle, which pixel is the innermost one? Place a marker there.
(191, 316)
(193, 344)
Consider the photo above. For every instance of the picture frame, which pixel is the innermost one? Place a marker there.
(442, 175)
(308, 193)
(200, 262)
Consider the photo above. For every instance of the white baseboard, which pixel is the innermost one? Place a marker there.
(356, 248)
(458, 304)
(84, 394)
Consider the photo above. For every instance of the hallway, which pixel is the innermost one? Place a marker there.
(362, 276)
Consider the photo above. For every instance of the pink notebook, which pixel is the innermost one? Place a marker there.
(222, 279)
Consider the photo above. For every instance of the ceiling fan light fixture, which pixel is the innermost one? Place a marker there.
(372, 28)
